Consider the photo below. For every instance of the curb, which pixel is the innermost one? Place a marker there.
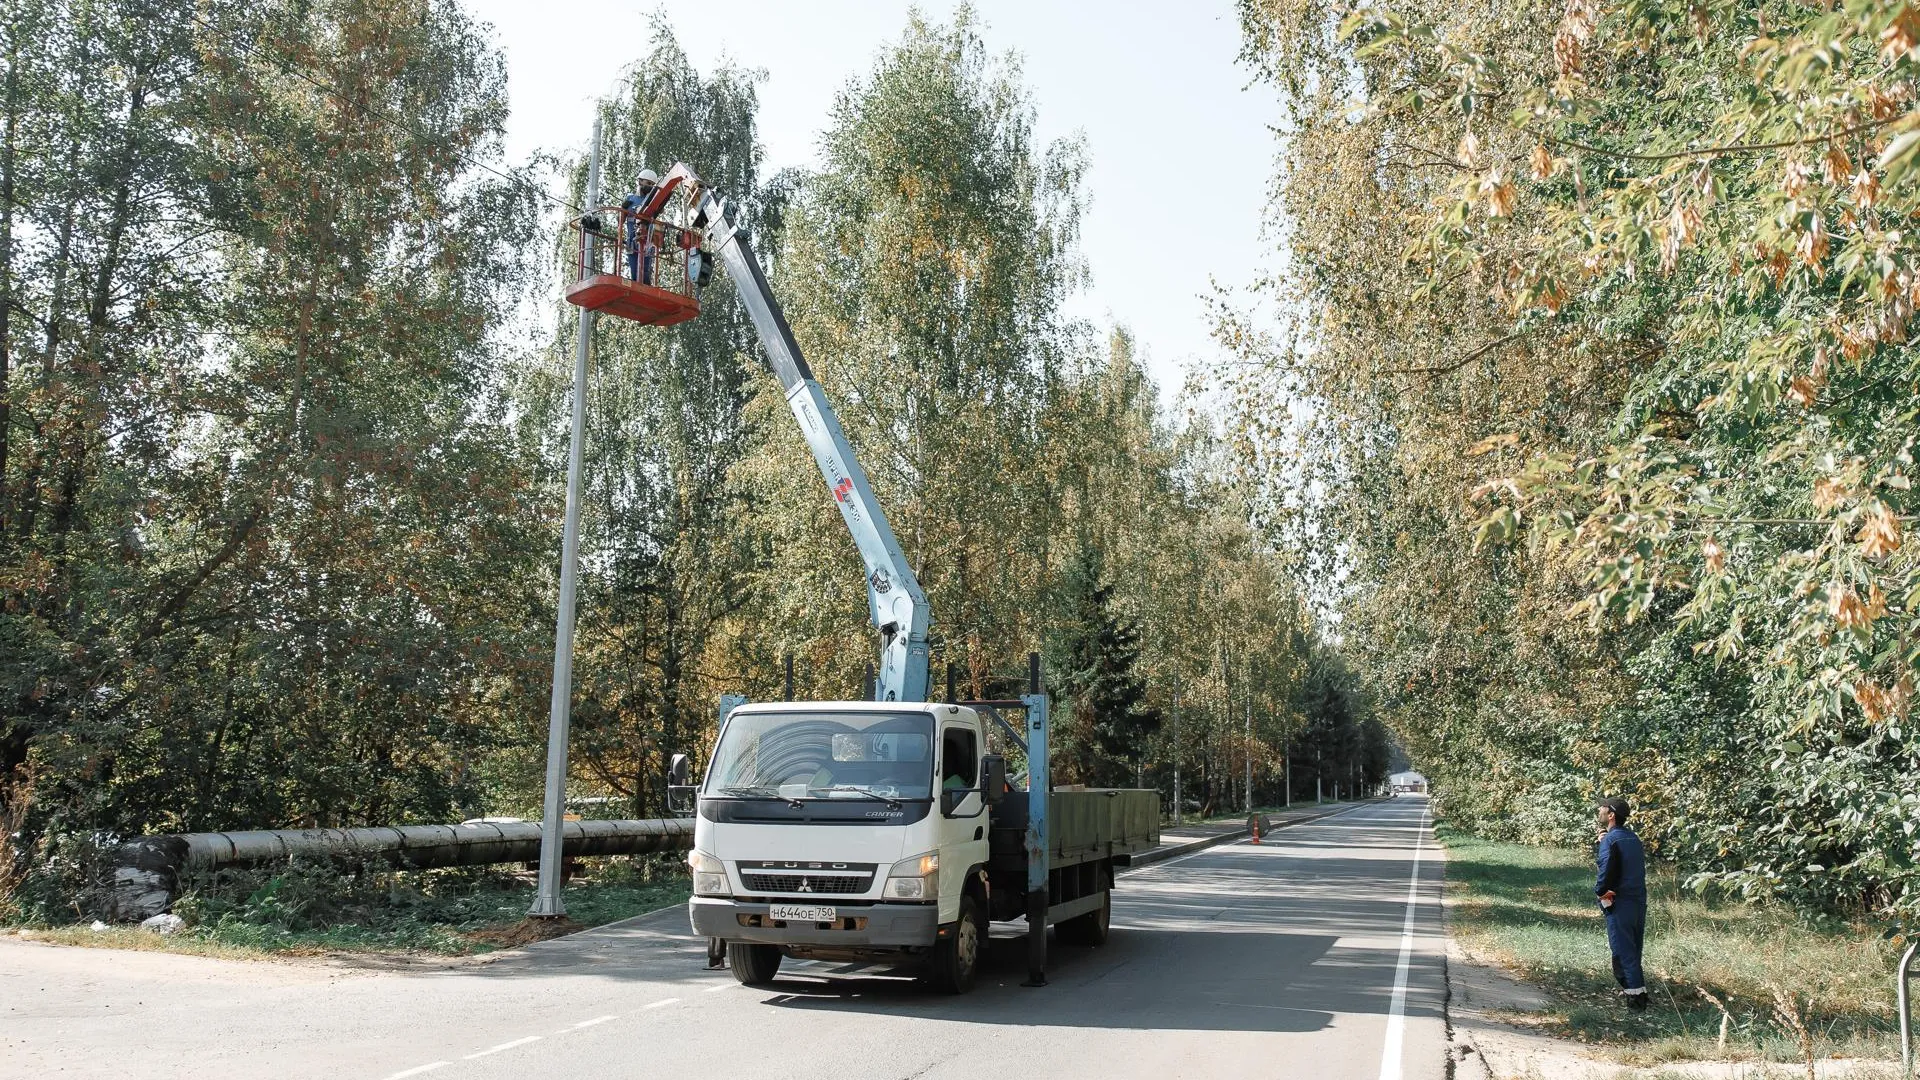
(1174, 851)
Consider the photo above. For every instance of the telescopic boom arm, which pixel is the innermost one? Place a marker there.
(898, 604)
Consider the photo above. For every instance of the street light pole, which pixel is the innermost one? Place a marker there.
(547, 903)
(1176, 757)
(1248, 738)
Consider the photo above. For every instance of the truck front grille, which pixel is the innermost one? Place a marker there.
(807, 878)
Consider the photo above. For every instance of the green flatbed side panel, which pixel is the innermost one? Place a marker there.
(1099, 822)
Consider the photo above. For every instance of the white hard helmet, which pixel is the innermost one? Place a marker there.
(648, 178)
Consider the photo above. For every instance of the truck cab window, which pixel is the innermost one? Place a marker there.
(959, 760)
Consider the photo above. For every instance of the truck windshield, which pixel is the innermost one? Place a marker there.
(824, 755)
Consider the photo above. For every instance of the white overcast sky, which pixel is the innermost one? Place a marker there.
(1175, 129)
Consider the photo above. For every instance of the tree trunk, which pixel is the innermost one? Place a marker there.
(8, 192)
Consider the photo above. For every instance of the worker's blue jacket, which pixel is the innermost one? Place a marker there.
(1623, 866)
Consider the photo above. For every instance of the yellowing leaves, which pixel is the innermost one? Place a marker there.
(1498, 190)
(1812, 248)
(1802, 391)
(1829, 492)
(1880, 532)
(1835, 166)
(1845, 607)
(1542, 165)
(1866, 190)
(1492, 443)
(1901, 38)
(1715, 555)
(1883, 703)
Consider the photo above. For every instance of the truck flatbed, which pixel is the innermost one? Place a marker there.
(1083, 825)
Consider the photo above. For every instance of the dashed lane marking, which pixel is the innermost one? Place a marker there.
(716, 988)
(503, 1046)
(662, 1003)
(418, 1069)
(590, 1023)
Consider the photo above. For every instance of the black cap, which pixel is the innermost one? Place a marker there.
(1620, 809)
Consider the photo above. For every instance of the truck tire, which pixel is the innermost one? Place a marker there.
(956, 959)
(753, 965)
(1091, 928)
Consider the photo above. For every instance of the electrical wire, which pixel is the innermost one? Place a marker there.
(288, 68)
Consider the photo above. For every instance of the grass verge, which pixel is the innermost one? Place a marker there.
(1728, 979)
(307, 910)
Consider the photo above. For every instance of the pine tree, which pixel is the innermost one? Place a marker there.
(1106, 719)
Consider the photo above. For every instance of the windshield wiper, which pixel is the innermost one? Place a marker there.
(764, 791)
(892, 801)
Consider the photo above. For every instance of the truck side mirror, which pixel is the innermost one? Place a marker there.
(993, 778)
(679, 791)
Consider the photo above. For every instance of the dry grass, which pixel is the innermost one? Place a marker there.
(1728, 979)
(124, 937)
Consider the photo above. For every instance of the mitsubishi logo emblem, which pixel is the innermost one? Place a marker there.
(805, 886)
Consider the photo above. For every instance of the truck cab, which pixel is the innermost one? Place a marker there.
(846, 830)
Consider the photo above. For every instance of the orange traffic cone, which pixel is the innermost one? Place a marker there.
(1256, 828)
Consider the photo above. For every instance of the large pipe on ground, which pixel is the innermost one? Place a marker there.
(147, 869)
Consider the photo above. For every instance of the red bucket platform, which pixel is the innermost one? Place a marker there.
(612, 294)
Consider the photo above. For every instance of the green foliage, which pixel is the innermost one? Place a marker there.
(1105, 720)
(264, 553)
(1611, 417)
(279, 478)
(665, 560)
(1341, 743)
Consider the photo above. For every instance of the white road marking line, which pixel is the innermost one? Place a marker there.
(595, 1020)
(418, 1069)
(662, 1003)
(502, 1046)
(716, 988)
(1390, 1050)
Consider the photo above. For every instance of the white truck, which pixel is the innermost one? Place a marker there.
(860, 829)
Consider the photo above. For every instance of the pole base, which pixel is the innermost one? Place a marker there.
(547, 908)
(1035, 978)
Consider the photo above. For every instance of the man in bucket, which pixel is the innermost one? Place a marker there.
(1621, 885)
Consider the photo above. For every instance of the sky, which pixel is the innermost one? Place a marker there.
(1175, 127)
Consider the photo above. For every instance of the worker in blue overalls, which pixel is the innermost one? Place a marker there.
(640, 246)
(1621, 885)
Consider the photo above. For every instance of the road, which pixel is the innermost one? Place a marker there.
(1317, 953)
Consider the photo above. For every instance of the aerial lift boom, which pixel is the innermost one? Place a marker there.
(898, 604)
(1026, 867)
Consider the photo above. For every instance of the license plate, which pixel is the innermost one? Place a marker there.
(801, 913)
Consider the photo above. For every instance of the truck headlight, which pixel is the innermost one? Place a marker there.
(917, 878)
(709, 875)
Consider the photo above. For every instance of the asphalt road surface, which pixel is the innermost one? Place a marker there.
(1316, 954)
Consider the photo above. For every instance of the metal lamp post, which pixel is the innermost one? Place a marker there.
(547, 903)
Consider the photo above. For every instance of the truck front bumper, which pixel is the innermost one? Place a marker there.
(876, 926)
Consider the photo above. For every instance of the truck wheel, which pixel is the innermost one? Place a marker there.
(753, 965)
(956, 959)
(1091, 928)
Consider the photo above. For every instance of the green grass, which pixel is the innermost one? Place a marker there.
(1530, 910)
(317, 910)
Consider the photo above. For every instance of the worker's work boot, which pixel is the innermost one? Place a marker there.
(1636, 1002)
